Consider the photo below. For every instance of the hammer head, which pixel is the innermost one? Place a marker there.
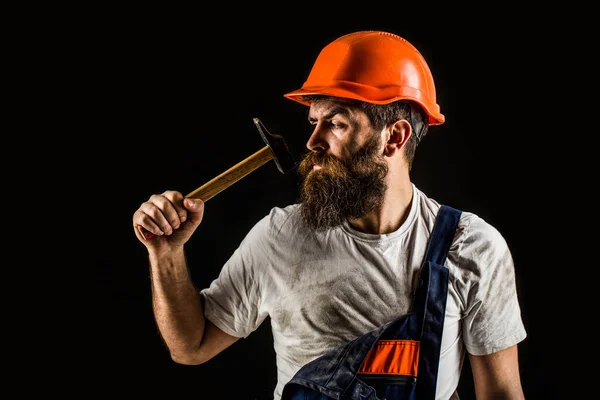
(281, 154)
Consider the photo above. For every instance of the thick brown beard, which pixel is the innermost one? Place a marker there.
(341, 190)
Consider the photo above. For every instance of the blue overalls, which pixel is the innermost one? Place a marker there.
(398, 360)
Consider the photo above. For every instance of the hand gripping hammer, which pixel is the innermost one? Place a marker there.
(275, 149)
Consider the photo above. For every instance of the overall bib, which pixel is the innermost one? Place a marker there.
(399, 360)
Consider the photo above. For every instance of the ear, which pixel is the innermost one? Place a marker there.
(397, 135)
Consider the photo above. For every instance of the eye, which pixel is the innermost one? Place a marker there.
(335, 125)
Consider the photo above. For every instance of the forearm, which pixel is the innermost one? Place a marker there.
(177, 306)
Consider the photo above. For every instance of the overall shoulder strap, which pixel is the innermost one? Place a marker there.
(443, 231)
(438, 246)
(430, 299)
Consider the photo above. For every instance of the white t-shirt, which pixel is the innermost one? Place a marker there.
(323, 289)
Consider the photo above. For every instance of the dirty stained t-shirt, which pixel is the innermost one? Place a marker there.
(323, 289)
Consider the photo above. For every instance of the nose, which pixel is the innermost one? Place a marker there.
(317, 142)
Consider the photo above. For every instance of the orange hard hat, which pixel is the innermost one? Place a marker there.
(375, 67)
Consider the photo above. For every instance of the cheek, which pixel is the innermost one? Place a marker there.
(338, 148)
(342, 153)
(348, 150)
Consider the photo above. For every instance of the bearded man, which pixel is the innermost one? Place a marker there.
(346, 259)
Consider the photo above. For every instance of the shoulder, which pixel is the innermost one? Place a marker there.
(473, 231)
(478, 237)
(282, 215)
(279, 220)
(479, 255)
(477, 244)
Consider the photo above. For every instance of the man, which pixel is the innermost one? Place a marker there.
(345, 260)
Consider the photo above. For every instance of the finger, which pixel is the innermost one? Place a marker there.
(144, 224)
(162, 212)
(176, 199)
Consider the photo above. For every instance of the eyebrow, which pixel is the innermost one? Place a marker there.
(332, 113)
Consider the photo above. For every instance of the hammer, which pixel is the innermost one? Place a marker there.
(275, 149)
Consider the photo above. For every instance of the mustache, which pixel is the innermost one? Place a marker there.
(320, 158)
(326, 161)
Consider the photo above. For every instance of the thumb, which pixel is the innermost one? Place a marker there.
(195, 209)
(194, 206)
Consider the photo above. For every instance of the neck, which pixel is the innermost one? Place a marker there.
(393, 211)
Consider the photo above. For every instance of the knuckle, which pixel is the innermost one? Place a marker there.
(172, 195)
(155, 197)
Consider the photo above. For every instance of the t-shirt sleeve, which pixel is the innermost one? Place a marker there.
(492, 320)
(232, 301)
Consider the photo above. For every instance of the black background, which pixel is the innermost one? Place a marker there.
(166, 101)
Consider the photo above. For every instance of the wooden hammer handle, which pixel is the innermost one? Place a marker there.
(232, 175)
(226, 179)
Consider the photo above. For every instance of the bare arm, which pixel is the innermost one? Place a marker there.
(176, 302)
(179, 313)
(496, 376)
